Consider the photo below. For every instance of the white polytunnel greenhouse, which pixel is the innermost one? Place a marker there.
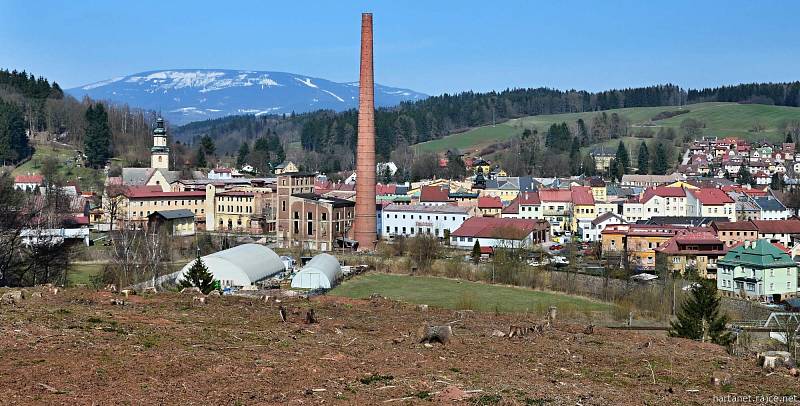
(243, 265)
(322, 272)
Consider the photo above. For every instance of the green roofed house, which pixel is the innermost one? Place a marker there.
(758, 270)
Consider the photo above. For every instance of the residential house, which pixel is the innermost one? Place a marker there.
(583, 208)
(28, 182)
(732, 233)
(591, 232)
(710, 203)
(759, 271)
(499, 232)
(782, 231)
(556, 209)
(434, 196)
(179, 222)
(693, 250)
(771, 208)
(490, 206)
(411, 220)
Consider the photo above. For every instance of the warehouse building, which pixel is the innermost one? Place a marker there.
(322, 272)
(243, 265)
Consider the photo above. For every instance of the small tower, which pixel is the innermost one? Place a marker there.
(159, 154)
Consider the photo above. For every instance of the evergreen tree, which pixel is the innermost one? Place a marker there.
(207, 143)
(575, 156)
(777, 182)
(622, 157)
(200, 158)
(589, 165)
(14, 144)
(198, 276)
(386, 175)
(476, 252)
(97, 140)
(699, 317)
(660, 160)
(789, 139)
(616, 170)
(743, 177)
(244, 151)
(643, 159)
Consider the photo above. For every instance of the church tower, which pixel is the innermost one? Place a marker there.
(159, 154)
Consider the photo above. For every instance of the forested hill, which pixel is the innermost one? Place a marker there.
(34, 104)
(329, 138)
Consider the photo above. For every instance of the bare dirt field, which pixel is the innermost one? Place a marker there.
(77, 348)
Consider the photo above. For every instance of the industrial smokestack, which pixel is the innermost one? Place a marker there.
(365, 222)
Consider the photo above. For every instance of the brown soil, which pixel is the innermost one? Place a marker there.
(76, 348)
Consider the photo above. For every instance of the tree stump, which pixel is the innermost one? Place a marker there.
(310, 319)
(436, 334)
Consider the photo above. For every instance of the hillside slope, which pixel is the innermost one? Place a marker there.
(185, 95)
(721, 119)
(76, 348)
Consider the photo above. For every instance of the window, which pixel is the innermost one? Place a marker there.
(388, 229)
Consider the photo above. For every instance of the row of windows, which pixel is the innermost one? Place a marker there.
(420, 230)
(235, 209)
(236, 198)
(170, 202)
(419, 217)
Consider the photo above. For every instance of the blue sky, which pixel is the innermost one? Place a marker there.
(429, 46)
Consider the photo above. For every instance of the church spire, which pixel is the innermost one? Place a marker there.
(159, 154)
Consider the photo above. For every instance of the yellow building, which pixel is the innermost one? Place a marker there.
(637, 242)
(583, 207)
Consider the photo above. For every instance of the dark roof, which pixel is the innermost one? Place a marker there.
(173, 214)
(769, 203)
(725, 225)
(689, 221)
(298, 174)
(335, 201)
(605, 216)
(789, 226)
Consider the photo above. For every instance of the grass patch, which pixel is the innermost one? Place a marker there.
(84, 273)
(722, 120)
(456, 294)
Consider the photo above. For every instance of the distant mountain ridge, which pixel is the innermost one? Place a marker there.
(186, 95)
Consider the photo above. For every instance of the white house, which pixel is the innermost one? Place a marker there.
(500, 232)
(591, 231)
(220, 173)
(771, 208)
(710, 202)
(663, 201)
(410, 220)
(28, 182)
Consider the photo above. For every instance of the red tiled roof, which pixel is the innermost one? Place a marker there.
(711, 197)
(555, 195)
(495, 227)
(790, 226)
(529, 198)
(37, 179)
(705, 242)
(662, 191)
(434, 194)
(489, 202)
(382, 190)
(221, 170)
(512, 208)
(582, 195)
(487, 250)
(741, 189)
(143, 192)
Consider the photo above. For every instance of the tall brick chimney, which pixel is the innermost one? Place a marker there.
(365, 222)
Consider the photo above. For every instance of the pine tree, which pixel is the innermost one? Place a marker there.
(622, 157)
(207, 143)
(200, 158)
(575, 156)
(789, 139)
(589, 165)
(476, 252)
(777, 181)
(699, 317)
(97, 140)
(660, 160)
(616, 170)
(743, 176)
(643, 159)
(244, 151)
(386, 175)
(198, 276)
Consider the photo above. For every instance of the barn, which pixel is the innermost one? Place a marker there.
(243, 265)
(322, 272)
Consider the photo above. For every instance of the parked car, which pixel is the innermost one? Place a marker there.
(556, 247)
(559, 260)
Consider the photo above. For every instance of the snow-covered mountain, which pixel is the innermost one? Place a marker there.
(185, 95)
